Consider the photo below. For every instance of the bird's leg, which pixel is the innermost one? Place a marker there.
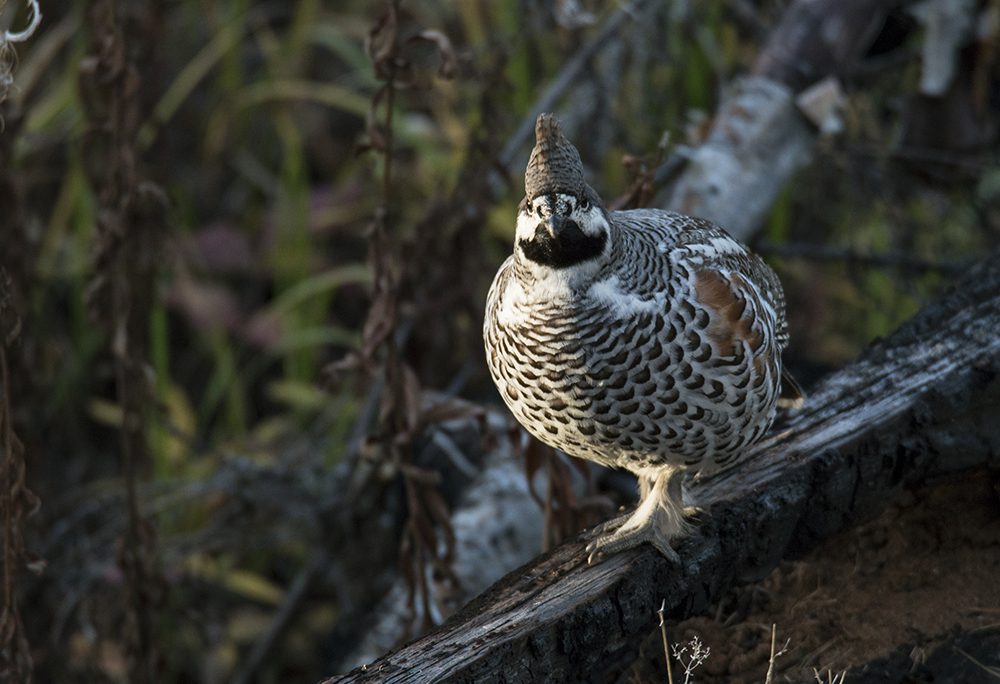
(659, 519)
(609, 526)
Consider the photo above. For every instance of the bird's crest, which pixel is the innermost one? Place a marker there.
(555, 164)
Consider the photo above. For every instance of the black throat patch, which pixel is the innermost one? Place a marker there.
(570, 247)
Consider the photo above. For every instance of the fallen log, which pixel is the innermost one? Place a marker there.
(918, 406)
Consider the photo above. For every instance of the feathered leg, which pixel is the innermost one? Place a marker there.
(659, 519)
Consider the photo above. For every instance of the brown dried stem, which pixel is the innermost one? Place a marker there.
(17, 502)
(129, 225)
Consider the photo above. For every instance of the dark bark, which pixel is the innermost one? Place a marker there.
(817, 38)
(917, 407)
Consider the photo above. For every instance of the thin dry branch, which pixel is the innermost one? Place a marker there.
(850, 256)
(17, 504)
(130, 223)
(565, 79)
(282, 619)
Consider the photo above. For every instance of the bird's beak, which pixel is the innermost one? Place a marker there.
(555, 224)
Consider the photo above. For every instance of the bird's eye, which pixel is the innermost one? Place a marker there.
(584, 204)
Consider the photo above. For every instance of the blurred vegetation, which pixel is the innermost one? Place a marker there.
(257, 121)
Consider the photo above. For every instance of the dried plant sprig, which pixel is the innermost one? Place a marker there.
(830, 677)
(774, 656)
(17, 504)
(698, 654)
(666, 645)
(8, 56)
(35, 20)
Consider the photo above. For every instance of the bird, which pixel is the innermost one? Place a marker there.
(643, 339)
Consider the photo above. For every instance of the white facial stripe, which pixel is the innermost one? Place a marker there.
(526, 224)
(562, 204)
(565, 204)
(589, 217)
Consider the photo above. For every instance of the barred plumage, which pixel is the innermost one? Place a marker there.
(641, 339)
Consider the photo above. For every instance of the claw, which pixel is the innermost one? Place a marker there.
(621, 540)
(659, 520)
(608, 526)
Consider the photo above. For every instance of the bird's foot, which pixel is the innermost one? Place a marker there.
(660, 526)
(609, 527)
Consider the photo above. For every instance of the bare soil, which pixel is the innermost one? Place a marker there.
(912, 596)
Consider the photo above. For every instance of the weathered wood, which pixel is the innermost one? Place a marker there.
(919, 405)
(759, 138)
(816, 38)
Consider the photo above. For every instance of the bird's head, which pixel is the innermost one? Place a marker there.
(562, 221)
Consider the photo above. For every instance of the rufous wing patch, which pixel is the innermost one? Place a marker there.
(733, 322)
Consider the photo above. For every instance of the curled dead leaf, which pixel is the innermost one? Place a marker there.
(449, 60)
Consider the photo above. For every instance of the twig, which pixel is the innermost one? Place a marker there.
(17, 503)
(565, 79)
(848, 254)
(964, 162)
(282, 618)
(989, 669)
(774, 656)
(770, 662)
(830, 677)
(666, 644)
